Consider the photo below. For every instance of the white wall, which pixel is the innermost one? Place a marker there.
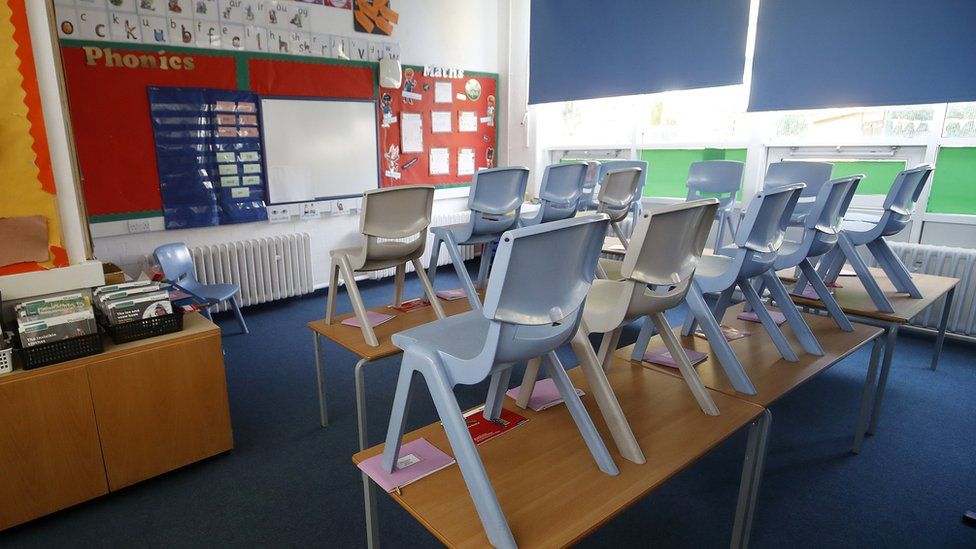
(464, 34)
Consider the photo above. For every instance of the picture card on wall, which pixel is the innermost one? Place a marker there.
(443, 92)
(465, 164)
(467, 121)
(155, 30)
(440, 161)
(411, 132)
(440, 121)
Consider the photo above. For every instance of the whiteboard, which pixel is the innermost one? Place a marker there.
(317, 149)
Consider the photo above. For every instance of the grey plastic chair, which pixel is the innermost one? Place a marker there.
(656, 276)
(619, 191)
(533, 304)
(394, 222)
(559, 193)
(821, 231)
(495, 201)
(898, 207)
(590, 200)
(757, 243)
(721, 179)
(811, 174)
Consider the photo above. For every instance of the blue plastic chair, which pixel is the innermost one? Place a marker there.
(811, 174)
(533, 304)
(495, 201)
(821, 231)
(757, 243)
(177, 265)
(590, 200)
(898, 208)
(720, 179)
(559, 193)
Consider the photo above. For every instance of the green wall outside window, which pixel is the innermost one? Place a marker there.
(954, 182)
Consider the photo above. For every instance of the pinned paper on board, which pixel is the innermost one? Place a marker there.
(443, 92)
(23, 239)
(411, 133)
(440, 161)
(440, 122)
(465, 161)
(467, 121)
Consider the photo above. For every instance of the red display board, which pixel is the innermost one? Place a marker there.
(471, 95)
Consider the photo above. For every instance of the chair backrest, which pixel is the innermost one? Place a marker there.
(767, 217)
(496, 198)
(614, 165)
(618, 190)
(902, 197)
(176, 262)
(811, 174)
(560, 191)
(722, 178)
(827, 213)
(389, 217)
(670, 260)
(542, 273)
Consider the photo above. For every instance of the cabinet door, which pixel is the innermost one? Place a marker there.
(161, 407)
(49, 453)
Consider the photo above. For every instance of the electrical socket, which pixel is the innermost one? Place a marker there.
(138, 225)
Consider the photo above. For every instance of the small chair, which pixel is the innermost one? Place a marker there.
(811, 174)
(533, 304)
(559, 193)
(589, 200)
(757, 242)
(721, 179)
(619, 191)
(495, 201)
(656, 276)
(177, 265)
(821, 232)
(898, 208)
(394, 221)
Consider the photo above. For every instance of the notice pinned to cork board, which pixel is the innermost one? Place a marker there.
(23, 239)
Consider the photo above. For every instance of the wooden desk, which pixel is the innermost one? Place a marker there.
(612, 247)
(542, 469)
(79, 429)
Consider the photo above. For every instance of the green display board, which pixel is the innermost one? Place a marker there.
(878, 174)
(954, 182)
(667, 169)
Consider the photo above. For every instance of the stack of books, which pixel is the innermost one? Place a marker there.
(132, 301)
(55, 318)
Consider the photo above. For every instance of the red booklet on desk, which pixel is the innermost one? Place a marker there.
(483, 430)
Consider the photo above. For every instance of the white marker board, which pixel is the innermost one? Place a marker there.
(319, 149)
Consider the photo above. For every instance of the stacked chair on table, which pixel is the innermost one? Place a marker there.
(656, 275)
(619, 194)
(177, 265)
(559, 193)
(394, 222)
(720, 179)
(533, 304)
(812, 174)
(863, 230)
(495, 201)
(590, 199)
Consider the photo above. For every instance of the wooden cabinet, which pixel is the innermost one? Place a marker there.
(77, 430)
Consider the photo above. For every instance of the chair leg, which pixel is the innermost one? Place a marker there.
(608, 344)
(357, 301)
(496, 393)
(237, 313)
(833, 309)
(528, 382)
(723, 303)
(398, 415)
(831, 266)
(205, 311)
(867, 279)
(720, 231)
(760, 287)
(428, 289)
(732, 226)
(583, 421)
(717, 342)
(485, 265)
(690, 324)
(333, 291)
(647, 331)
(793, 317)
(435, 254)
(398, 279)
(455, 252)
(620, 234)
(893, 266)
(772, 329)
(688, 372)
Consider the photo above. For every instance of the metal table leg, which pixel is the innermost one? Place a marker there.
(890, 342)
(323, 405)
(369, 488)
(937, 353)
(752, 468)
(862, 420)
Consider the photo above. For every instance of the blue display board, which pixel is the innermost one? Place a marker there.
(208, 149)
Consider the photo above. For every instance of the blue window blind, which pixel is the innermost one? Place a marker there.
(838, 53)
(581, 49)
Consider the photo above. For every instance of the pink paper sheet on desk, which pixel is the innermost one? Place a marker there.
(544, 395)
(418, 459)
(662, 356)
(374, 318)
(778, 317)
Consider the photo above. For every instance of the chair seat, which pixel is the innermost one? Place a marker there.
(461, 229)
(860, 232)
(713, 265)
(612, 268)
(864, 217)
(374, 264)
(217, 292)
(461, 336)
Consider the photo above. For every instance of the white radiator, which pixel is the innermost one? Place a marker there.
(943, 261)
(266, 269)
(439, 220)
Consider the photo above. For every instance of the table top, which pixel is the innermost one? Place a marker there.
(854, 299)
(772, 375)
(612, 246)
(351, 337)
(541, 470)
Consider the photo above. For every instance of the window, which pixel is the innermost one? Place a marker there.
(954, 182)
(667, 169)
(960, 120)
(839, 124)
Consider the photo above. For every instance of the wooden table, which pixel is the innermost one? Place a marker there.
(772, 375)
(613, 247)
(550, 489)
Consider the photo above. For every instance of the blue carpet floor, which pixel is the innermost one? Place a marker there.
(290, 483)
